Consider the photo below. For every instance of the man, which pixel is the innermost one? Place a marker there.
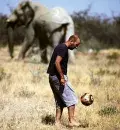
(57, 70)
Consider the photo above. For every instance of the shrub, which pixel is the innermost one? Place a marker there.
(2, 73)
(48, 119)
(108, 110)
(113, 56)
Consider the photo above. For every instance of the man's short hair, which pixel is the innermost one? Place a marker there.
(73, 38)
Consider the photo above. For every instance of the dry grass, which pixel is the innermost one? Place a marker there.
(27, 102)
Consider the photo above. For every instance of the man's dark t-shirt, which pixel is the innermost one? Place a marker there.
(60, 50)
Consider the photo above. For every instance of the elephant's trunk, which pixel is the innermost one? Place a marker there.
(11, 23)
(10, 30)
(10, 41)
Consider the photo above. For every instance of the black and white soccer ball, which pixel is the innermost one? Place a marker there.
(86, 99)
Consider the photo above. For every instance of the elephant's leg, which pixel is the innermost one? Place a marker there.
(56, 38)
(43, 49)
(34, 49)
(28, 41)
(69, 32)
(71, 56)
(24, 49)
(44, 58)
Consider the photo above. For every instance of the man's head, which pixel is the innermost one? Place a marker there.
(73, 42)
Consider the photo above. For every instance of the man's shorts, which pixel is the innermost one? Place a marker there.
(64, 95)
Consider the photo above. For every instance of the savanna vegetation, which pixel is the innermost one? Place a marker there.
(27, 102)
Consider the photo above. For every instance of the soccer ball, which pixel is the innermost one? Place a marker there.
(86, 99)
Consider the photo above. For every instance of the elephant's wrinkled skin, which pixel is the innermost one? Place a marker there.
(49, 26)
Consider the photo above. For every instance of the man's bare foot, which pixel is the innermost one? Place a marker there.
(73, 123)
(58, 124)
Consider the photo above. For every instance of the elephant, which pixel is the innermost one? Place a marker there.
(49, 26)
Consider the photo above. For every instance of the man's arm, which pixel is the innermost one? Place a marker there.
(59, 69)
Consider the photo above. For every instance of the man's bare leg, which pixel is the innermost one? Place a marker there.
(71, 111)
(59, 111)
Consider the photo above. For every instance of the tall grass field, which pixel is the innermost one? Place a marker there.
(27, 102)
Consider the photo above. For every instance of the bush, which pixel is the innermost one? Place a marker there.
(2, 73)
(108, 110)
(102, 31)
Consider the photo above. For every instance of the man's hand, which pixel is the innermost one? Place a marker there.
(62, 81)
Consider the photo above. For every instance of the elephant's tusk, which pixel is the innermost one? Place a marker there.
(8, 20)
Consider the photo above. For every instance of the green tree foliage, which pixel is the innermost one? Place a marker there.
(98, 31)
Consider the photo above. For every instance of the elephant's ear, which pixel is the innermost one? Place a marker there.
(28, 13)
